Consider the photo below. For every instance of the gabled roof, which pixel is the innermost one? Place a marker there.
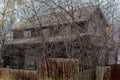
(53, 18)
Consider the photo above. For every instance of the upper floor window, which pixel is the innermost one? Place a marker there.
(80, 27)
(9, 36)
(54, 30)
(27, 34)
(36, 32)
(18, 34)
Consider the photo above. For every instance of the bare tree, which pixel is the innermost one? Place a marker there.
(69, 7)
(7, 20)
(67, 21)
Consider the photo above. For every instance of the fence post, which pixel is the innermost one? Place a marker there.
(103, 73)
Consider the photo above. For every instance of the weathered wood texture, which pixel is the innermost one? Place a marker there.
(88, 74)
(103, 73)
(17, 74)
(59, 69)
(55, 69)
(115, 72)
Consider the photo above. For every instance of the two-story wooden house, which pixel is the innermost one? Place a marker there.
(57, 35)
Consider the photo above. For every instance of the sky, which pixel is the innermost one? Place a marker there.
(116, 15)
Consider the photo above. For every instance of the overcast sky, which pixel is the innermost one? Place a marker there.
(117, 9)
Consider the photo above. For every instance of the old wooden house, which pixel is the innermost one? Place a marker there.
(57, 35)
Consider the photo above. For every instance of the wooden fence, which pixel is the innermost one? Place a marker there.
(103, 73)
(115, 72)
(51, 69)
(88, 74)
(65, 70)
(111, 72)
(16, 74)
(59, 69)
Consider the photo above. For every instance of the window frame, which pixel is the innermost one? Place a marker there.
(27, 34)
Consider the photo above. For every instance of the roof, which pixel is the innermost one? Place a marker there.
(53, 18)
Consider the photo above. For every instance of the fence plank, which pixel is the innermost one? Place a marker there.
(17, 74)
(57, 69)
(103, 73)
(115, 72)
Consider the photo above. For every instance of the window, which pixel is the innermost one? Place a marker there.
(27, 34)
(30, 59)
(54, 31)
(36, 32)
(75, 51)
(17, 34)
(9, 36)
(11, 62)
(82, 27)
